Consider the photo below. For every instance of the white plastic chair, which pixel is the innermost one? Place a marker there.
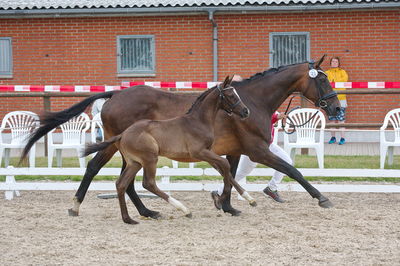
(73, 137)
(306, 136)
(21, 124)
(386, 146)
(96, 124)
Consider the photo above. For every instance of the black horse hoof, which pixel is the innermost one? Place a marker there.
(189, 215)
(233, 212)
(73, 213)
(325, 203)
(215, 197)
(151, 214)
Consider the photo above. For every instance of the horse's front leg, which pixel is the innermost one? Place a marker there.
(222, 166)
(126, 178)
(233, 162)
(149, 183)
(266, 157)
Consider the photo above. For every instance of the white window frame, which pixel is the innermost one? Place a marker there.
(9, 73)
(136, 73)
(271, 49)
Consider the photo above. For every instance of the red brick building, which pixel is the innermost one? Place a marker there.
(107, 42)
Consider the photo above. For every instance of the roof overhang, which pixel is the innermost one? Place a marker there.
(157, 11)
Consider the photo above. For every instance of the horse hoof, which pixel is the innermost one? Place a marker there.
(189, 215)
(215, 197)
(129, 221)
(325, 203)
(233, 212)
(73, 213)
(152, 214)
(156, 215)
(150, 218)
(253, 203)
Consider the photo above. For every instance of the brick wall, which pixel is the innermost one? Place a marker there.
(82, 51)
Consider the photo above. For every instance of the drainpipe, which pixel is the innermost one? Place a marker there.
(215, 45)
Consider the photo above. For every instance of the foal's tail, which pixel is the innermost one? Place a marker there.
(95, 147)
(51, 120)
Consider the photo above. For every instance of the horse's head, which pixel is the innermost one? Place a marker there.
(230, 100)
(317, 88)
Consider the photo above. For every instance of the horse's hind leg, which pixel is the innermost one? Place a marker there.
(93, 167)
(149, 183)
(143, 211)
(126, 178)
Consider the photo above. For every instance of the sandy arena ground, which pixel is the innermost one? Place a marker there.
(362, 229)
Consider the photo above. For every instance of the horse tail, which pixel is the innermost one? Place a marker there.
(95, 147)
(51, 120)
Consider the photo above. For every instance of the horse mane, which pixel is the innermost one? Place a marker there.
(269, 71)
(200, 99)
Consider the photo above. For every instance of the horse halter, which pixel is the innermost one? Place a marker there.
(313, 74)
(229, 111)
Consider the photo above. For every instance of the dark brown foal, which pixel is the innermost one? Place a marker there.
(188, 138)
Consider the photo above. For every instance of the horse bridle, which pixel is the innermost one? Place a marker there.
(313, 74)
(322, 100)
(229, 111)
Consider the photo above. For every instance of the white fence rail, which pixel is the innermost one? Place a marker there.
(12, 188)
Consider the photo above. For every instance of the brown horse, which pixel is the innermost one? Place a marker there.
(185, 138)
(262, 93)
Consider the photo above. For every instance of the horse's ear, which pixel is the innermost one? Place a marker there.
(226, 82)
(320, 61)
(230, 80)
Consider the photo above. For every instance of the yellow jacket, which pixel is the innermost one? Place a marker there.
(338, 75)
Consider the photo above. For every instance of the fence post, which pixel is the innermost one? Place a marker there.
(165, 180)
(10, 181)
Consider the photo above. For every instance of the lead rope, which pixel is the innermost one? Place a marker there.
(290, 122)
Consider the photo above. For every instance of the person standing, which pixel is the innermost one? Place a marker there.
(246, 166)
(338, 74)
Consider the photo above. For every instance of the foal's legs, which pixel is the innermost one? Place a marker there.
(149, 183)
(222, 166)
(143, 211)
(93, 167)
(233, 162)
(266, 157)
(125, 179)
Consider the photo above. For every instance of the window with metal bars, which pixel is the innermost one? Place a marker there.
(6, 66)
(136, 54)
(288, 48)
